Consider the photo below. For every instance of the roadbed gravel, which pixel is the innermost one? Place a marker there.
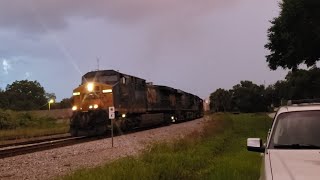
(52, 163)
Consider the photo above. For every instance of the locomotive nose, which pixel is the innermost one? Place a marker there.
(91, 105)
(91, 101)
(92, 96)
(86, 106)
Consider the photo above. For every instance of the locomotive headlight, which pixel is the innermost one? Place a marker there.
(90, 87)
(95, 106)
(107, 91)
(76, 93)
(90, 107)
(74, 108)
(173, 119)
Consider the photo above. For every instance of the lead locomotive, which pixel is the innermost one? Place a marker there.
(137, 104)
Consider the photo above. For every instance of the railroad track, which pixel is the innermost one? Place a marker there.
(15, 150)
(36, 140)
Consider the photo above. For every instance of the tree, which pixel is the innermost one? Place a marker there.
(66, 103)
(3, 100)
(269, 94)
(220, 100)
(303, 84)
(249, 97)
(244, 97)
(280, 93)
(299, 84)
(294, 37)
(25, 95)
(50, 96)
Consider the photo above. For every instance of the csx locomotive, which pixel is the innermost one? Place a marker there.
(137, 104)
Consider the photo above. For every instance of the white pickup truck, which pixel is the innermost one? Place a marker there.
(292, 149)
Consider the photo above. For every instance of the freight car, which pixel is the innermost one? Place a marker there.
(137, 103)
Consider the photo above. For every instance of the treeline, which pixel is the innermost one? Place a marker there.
(29, 95)
(250, 97)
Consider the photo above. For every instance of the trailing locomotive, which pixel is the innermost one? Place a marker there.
(137, 103)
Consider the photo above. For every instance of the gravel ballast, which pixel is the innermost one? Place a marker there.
(61, 161)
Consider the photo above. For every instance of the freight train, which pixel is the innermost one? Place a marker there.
(137, 104)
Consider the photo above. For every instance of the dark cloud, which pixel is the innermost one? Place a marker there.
(15, 45)
(41, 15)
(196, 46)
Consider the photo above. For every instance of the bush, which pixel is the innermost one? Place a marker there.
(6, 120)
(13, 120)
(24, 120)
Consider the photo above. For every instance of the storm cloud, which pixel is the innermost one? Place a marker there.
(35, 15)
(196, 46)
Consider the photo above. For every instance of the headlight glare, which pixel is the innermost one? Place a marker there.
(76, 93)
(74, 108)
(90, 87)
(107, 91)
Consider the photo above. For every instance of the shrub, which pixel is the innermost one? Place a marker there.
(13, 120)
(7, 120)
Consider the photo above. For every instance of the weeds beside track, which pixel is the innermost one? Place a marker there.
(219, 152)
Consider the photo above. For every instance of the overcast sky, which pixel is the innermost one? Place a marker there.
(197, 46)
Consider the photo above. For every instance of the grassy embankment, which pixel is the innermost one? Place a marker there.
(217, 153)
(18, 125)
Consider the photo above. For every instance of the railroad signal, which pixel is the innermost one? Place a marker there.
(111, 109)
(111, 117)
(111, 112)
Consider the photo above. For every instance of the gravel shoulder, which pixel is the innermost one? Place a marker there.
(61, 161)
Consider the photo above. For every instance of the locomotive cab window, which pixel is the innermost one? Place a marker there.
(108, 79)
(123, 80)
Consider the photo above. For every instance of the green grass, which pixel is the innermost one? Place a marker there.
(25, 133)
(18, 125)
(217, 153)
